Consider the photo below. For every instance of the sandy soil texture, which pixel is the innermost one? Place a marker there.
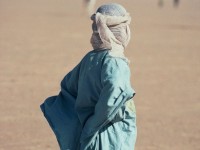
(41, 40)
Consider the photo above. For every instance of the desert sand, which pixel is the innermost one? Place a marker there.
(42, 40)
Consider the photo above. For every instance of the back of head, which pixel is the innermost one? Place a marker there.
(112, 9)
(110, 27)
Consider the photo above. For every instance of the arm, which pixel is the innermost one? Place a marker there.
(116, 91)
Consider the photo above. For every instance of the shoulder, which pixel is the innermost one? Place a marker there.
(95, 54)
(118, 63)
(115, 69)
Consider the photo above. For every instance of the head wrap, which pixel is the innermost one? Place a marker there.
(111, 29)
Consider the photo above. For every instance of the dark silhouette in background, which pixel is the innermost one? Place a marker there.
(160, 3)
(175, 2)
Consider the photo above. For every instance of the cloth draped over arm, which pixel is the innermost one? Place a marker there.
(60, 113)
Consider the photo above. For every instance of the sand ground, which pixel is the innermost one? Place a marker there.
(41, 40)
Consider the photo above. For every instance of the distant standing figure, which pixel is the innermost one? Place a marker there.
(176, 2)
(90, 5)
(160, 3)
(95, 109)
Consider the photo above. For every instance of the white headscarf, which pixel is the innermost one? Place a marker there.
(111, 32)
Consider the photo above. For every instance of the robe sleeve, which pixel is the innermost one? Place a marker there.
(70, 82)
(60, 113)
(115, 79)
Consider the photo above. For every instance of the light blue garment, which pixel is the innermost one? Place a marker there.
(93, 111)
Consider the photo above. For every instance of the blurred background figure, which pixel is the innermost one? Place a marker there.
(176, 3)
(160, 3)
(90, 5)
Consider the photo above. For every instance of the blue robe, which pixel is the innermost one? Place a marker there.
(94, 109)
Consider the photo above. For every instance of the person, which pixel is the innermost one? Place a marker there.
(176, 3)
(95, 109)
(160, 3)
(89, 5)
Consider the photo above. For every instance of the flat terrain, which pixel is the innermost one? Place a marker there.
(41, 40)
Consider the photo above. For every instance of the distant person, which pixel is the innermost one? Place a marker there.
(94, 109)
(160, 3)
(90, 5)
(176, 3)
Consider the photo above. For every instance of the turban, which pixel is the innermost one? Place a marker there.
(111, 28)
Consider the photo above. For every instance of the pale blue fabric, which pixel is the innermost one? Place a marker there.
(112, 9)
(90, 112)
